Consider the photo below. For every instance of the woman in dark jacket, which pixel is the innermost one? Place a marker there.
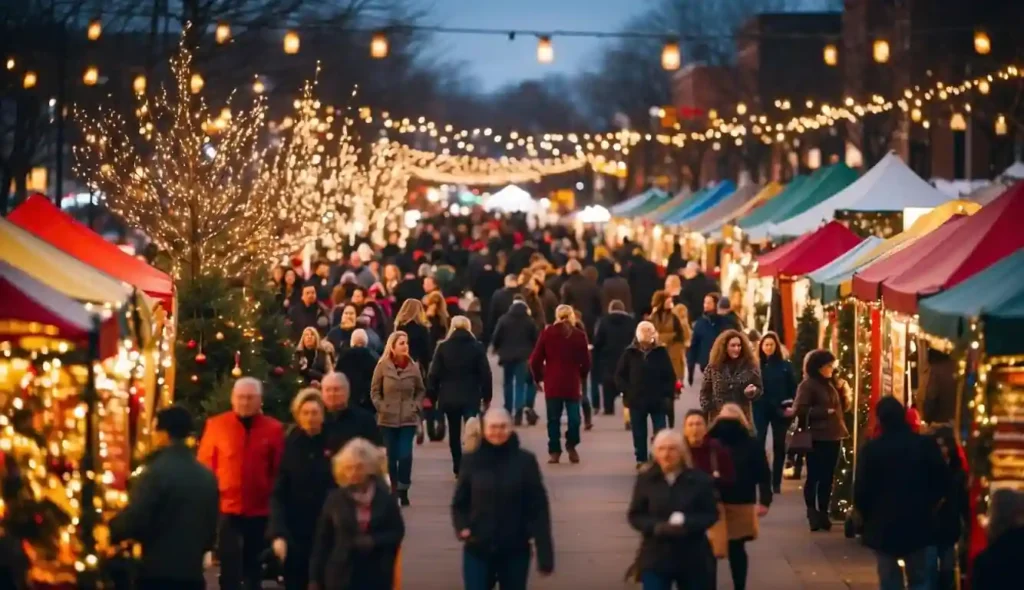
(821, 401)
(614, 333)
(515, 335)
(646, 378)
(357, 362)
(500, 505)
(673, 506)
(954, 511)
(731, 377)
(303, 482)
(436, 313)
(312, 358)
(290, 292)
(774, 409)
(459, 381)
(748, 497)
(341, 332)
(412, 320)
(360, 527)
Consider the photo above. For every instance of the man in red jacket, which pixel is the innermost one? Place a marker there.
(243, 449)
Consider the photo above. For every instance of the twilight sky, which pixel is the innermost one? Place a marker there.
(494, 60)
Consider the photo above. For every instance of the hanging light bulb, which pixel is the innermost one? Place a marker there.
(29, 80)
(196, 83)
(957, 122)
(670, 56)
(982, 43)
(984, 87)
(94, 30)
(741, 109)
(291, 42)
(1001, 125)
(545, 52)
(139, 84)
(223, 33)
(831, 54)
(258, 87)
(11, 63)
(91, 76)
(915, 115)
(379, 45)
(880, 51)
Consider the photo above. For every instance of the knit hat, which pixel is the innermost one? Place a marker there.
(724, 304)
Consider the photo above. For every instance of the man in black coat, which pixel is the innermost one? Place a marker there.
(583, 294)
(501, 301)
(500, 505)
(514, 338)
(410, 287)
(172, 509)
(696, 286)
(645, 376)
(706, 330)
(345, 421)
(643, 280)
(308, 313)
(901, 478)
(614, 333)
(357, 362)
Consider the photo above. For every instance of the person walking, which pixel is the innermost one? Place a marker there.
(954, 514)
(307, 312)
(674, 335)
(501, 302)
(514, 338)
(341, 332)
(749, 495)
(437, 318)
(713, 458)
(459, 381)
(357, 363)
(616, 288)
(561, 362)
(397, 392)
(1000, 560)
(412, 320)
(695, 288)
(243, 449)
(614, 333)
(302, 484)
(645, 375)
(731, 376)
(821, 403)
(172, 509)
(583, 294)
(313, 358)
(706, 331)
(345, 420)
(360, 528)
(499, 507)
(774, 409)
(901, 481)
(672, 507)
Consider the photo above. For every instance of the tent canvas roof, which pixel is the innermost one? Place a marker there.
(888, 186)
(675, 203)
(43, 219)
(655, 203)
(994, 295)
(698, 206)
(838, 267)
(743, 195)
(765, 212)
(809, 252)
(816, 190)
(763, 197)
(626, 208)
(979, 242)
(510, 199)
(988, 193)
(1014, 172)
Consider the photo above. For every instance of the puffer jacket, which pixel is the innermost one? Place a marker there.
(397, 393)
(245, 461)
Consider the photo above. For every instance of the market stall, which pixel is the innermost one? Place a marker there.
(820, 186)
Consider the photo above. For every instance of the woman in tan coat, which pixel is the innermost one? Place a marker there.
(674, 336)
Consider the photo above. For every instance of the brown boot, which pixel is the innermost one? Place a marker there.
(554, 458)
(574, 457)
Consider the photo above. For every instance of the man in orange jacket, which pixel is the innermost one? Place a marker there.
(243, 449)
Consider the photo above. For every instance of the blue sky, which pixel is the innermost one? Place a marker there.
(494, 60)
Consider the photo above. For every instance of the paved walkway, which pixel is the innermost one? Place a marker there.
(594, 544)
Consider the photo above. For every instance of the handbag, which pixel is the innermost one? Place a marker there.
(718, 533)
(799, 440)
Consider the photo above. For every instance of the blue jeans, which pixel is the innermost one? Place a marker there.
(916, 567)
(555, 408)
(398, 442)
(519, 388)
(690, 581)
(510, 572)
(638, 423)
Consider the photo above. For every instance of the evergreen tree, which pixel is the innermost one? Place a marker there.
(807, 329)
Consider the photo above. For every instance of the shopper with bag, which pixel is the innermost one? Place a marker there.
(748, 497)
(774, 409)
(712, 458)
(673, 506)
(820, 403)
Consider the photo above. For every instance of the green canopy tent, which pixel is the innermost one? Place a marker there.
(820, 187)
(995, 296)
(768, 210)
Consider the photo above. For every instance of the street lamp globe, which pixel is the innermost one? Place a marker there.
(982, 43)
(880, 51)
(291, 42)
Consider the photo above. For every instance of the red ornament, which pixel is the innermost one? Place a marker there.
(201, 358)
(191, 344)
(278, 371)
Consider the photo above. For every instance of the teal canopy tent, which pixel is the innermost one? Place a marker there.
(826, 280)
(713, 195)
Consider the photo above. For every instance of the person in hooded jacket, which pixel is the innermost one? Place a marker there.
(774, 409)
(514, 339)
(706, 330)
(313, 358)
(357, 362)
(459, 381)
(499, 507)
(302, 484)
(645, 375)
(748, 497)
(614, 333)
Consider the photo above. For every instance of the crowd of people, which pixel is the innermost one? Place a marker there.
(393, 345)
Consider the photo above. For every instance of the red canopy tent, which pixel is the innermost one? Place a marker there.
(867, 283)
(981, 240)
(42, 218)
(32, 309)
(809, 252)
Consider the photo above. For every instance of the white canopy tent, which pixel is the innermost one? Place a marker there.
(889, 186)
(511, 199)
(1014, 172)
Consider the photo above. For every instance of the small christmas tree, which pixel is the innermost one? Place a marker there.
(807, 329)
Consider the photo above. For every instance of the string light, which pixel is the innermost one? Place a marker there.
(29, 80)
(223, 33)
(91, 76)
(258, 87)
(1001, 125)
(10, 63)
(291, 43)
(196, 83)
(545, 51)
(95, 29)
(139, 84)
(880, 51)
(831, 55)
(670, 56)
(957, 122)
(379, 45)
(982, 43)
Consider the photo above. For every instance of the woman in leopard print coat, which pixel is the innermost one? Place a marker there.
(732, 375)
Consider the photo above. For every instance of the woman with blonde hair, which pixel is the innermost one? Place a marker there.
(560, 362)
(437, 317)
(749, 495)
(459, 382)
(313, 358)
(300, 489)
(397, 391)
(732, 375)
(673, 506)
(360, 527)
(412, 319)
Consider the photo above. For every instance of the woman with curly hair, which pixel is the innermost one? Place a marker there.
(732, 375)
